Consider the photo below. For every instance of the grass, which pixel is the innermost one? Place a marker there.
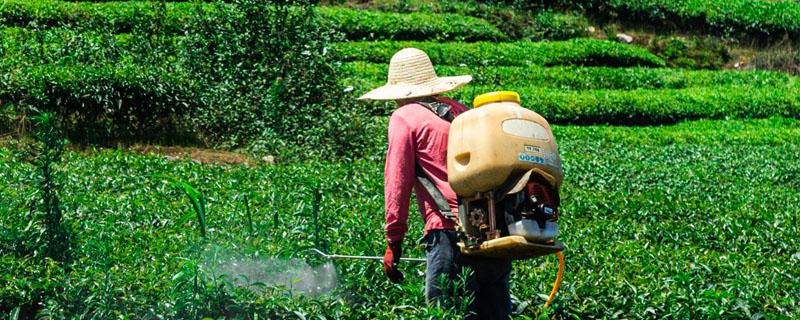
(694, 220)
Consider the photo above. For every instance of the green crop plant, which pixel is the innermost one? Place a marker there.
(198, 201)
(365, 24)
(643, 106)
(173, 17)
(737, 19)
(585, 52)
(54, 241)
(550, 25)
(365, 75)
(678, 221)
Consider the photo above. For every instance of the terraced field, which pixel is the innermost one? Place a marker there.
(681, 196)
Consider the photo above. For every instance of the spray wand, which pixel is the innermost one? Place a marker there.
(339, 256)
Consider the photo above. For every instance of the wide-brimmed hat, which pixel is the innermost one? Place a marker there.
(411, 75)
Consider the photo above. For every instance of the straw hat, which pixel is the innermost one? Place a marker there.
(411, 75)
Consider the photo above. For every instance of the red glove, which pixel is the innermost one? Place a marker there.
(390, 261)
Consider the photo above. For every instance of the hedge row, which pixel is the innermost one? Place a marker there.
(355, 24)
(102, 102)
(362, 25)
(586, 52)
(750, 16)
(645, 106)
(126, 98)
(366, 75)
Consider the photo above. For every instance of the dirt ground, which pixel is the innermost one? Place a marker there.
(200, 155)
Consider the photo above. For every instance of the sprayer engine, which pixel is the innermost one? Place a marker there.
(503, 162)
(531, 213)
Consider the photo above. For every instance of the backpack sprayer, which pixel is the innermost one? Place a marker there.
(504, 165)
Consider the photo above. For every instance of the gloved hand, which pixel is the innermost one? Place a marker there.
(391, 259)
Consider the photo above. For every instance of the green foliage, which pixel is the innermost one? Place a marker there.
(54, 239)
(730, 18)
(587, 52)
(364, 25)
(645, 106)
(267, 82)
(683, 221)
(198, 201)
(102, 103)
(126, 16)
(105, 90)
(365, 75)
(121, 16)
(550, 25)
(693, 53)
(591, 95)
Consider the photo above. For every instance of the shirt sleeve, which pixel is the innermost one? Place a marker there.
(398, 178)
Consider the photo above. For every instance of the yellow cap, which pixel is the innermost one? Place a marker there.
(497, 96)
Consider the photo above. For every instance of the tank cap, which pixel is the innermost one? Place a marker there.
(497, 96)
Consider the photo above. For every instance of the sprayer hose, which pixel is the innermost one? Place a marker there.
(558, 279)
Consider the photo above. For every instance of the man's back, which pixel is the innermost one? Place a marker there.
(417, 136)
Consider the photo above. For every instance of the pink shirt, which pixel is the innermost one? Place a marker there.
(418, 135)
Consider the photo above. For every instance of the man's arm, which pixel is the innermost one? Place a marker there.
(398, 179)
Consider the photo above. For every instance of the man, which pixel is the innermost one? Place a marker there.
(418, 131)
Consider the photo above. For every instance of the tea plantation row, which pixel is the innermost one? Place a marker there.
(89, 84)
(24, 43)
(748, 16)
(580, 78)
(696, 220)
(125, 16)
(587, 52)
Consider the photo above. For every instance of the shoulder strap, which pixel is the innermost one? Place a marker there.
(441, 109)
(438, 197)
(444, 111)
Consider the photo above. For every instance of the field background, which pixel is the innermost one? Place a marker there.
(681, 149)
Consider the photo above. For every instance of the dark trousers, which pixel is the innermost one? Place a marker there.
(487, 282)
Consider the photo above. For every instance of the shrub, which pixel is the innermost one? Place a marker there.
(103, 104)
(54, 240)
(125, 16)
(368, 75)
(363, 25)
(735, 19)
(587, 52)
(550, 25)
(120, 17)
(692, 53)
(664, 106)
(267, 82)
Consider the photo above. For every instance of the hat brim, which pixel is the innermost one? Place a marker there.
(397, 92)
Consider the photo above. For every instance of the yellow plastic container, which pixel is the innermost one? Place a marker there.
(499, 141)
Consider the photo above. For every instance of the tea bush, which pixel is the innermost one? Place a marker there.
(587, 52)
(692, 53)
(644, 106)
(364, 24)
(102, 104)
(124, 16)
(669, 221)
(558, 26)
(268, 82)
(365, 75)
(731, 18)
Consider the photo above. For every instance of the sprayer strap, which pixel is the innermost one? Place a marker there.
(440, 109)
(437, 195)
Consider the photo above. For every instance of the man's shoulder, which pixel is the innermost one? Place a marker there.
(410, 111)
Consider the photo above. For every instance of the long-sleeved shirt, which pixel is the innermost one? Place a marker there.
(417, 135)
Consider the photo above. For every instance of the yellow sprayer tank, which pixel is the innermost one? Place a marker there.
(497, 141)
